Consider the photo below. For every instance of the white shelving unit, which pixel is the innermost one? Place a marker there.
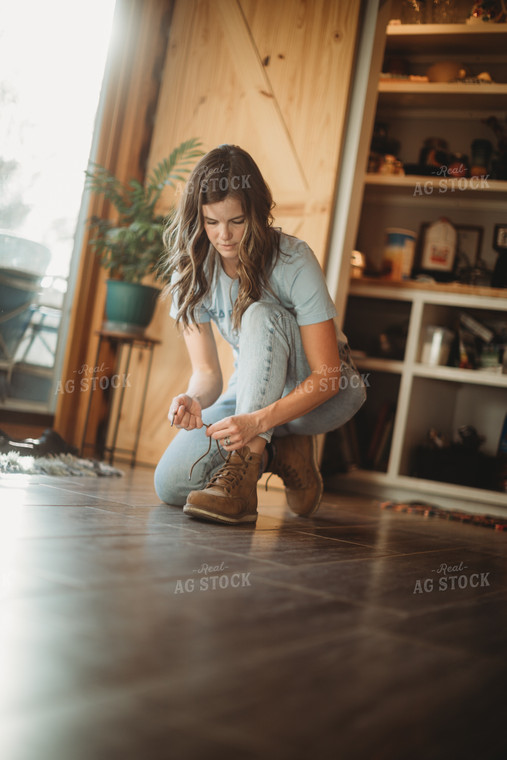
(415, 185)
(434, 39)
(424, 396)
(393, 94)
(429, 396)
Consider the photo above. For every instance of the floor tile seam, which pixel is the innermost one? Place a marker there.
(95, 497)
(497, 592)
(100, 586)
(463, 532)
(245, 529)
(427, 551)
(451, 649)
(330, 596)
(344, 526)
(93, 534)
(288, 648)
(394, 552)
(285, 566)
(131, 504)
(444, 608)
(267, 562)
(183, 523)
(99, 506)
(472, 534)
(326, 595)
(106, 508)
(261, 563)
(374, 514)
(486, 552)
(400, 614)
(317, 565)
(341, 540)
(457, 604)
(95, 587)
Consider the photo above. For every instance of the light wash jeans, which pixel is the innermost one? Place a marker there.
(271, 363)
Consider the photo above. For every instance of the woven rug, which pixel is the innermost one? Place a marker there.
(423, 509)
(55, 464)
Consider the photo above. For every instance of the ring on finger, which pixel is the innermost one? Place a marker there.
(227, 441)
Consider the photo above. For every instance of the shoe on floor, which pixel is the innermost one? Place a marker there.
(295, 462)
(230, 497)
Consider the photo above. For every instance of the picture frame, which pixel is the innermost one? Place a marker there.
(464, 250)
(469, 244)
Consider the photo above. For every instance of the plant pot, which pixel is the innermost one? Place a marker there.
(129, 306)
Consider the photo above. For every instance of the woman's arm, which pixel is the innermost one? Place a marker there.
(321, 349)
(205, 384)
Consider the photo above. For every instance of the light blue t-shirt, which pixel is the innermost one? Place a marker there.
(296, 281)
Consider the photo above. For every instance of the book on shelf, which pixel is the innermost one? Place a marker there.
(341, 451)
(502, 443)
(381, 459)
(380, 435)
(476, 328)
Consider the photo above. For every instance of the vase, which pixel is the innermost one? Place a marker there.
(129, 306)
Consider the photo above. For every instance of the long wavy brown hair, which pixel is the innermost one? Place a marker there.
(225, 171)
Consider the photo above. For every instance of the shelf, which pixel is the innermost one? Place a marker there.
(456, 375)
(451, 374)
(436, 492)
(379, 365)
(432, 292)
(425, 396)
(448, 95)
(422, 186)
(446, 38)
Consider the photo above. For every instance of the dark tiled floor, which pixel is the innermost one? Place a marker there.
(131, 631)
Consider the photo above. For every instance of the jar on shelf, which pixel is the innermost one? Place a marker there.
(458, 165)
(444, 12)
(390, 165)
(398, 253)
(492, 11)
(481, 157)
(413, 11)
(436, 346)
(435, 152)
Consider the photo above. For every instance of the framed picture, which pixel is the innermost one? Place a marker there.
(442, 246)
(469, 244)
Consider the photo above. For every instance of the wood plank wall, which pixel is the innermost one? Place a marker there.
(130, 95)
(272, 76)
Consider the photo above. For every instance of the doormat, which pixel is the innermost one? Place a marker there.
(55, 464)
(430, 510)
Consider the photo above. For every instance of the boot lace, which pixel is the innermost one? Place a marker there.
(206, 453)
(230, 473)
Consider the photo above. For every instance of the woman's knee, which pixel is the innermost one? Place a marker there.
(260, 313)
(170, 487)
(171, 474)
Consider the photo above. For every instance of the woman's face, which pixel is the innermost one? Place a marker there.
(224, 223)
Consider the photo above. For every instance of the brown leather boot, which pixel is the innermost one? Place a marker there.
(295, 461)
(231, 495)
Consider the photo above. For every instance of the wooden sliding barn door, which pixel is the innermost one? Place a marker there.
(272, 76)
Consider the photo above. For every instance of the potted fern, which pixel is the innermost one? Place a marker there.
(130, 246)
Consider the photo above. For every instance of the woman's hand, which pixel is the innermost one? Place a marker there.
(185, 412)
(239, 429)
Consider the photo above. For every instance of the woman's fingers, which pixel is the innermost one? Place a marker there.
(239, 430)
(181, 416)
